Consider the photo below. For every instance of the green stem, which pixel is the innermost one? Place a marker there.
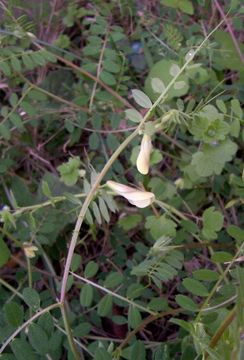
(69, 332)
(11, 288)
(143, 308)
(54, 200)
(28, 322)
(111, 161)
(173, 210)
(29, 272)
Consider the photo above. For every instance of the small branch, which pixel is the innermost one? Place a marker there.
(143, 308)
(227, 321)
(143, 324)
(29, 321)
(230, 30)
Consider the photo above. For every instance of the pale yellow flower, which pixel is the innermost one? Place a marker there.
(136, 197)
(30, 250)
(143, 159)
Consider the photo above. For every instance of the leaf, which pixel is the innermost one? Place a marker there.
(38, 339)
(4, 252)
(14, 313)
(111, 66)
(69, 171)
(133, 115)
(105, 305)
(182, 323)
(113, 279)
(46, 323)
(161, 72)
(5, 132)
(212, 223)
(221, 257)
(183, 5)
(96, 212)
(16, 121)
(211, 159)
(91, 269)
(221, 105)
(16, 64)
(138, 350)
(186, 303)
(107, 78)
(174, 70)
(158, 304)
(102, 354)
(5, 68)
(76, 261)
(208, 125)
(94, 141)
(205, 275)
(134, 317)
(157, 85)
(29, 64)
(236, 232)
(45, 189)
(236, 107)
(135, 290)
(86, 295)
(32, 298)
(226, 55)
(195, 287)
(129, 222)
(82, 329)
(178, 85)
(103, 209)
(160, 226)
(141, 98)
(22, 350)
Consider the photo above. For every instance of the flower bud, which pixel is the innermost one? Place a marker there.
(143, 159)
(136, 197)
(29, 250)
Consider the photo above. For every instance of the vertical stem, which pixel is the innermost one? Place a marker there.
(231, 32)
(111, 161)
(29, 272)
(69, 332)
(29, 279)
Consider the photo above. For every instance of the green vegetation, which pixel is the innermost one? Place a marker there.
(121, 180)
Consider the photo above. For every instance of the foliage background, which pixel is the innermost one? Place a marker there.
(164, 282)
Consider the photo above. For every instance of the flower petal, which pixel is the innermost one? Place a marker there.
(143, 159)
(136, 197)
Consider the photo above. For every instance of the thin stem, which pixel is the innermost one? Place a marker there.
(16, 105)
(85, 73)
(227, 321)
(143, 308)
(29, 272)
(56, 97)
(173, 210)
(29, 321)
(111, 161)
(44, 204)
(230, 30)
(143, 324)
(217, 284)
(99, 68)
(69, 332)
(11, 288)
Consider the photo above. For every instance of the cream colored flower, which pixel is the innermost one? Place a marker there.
(143, 159)
(30, 250)
(136, 197)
